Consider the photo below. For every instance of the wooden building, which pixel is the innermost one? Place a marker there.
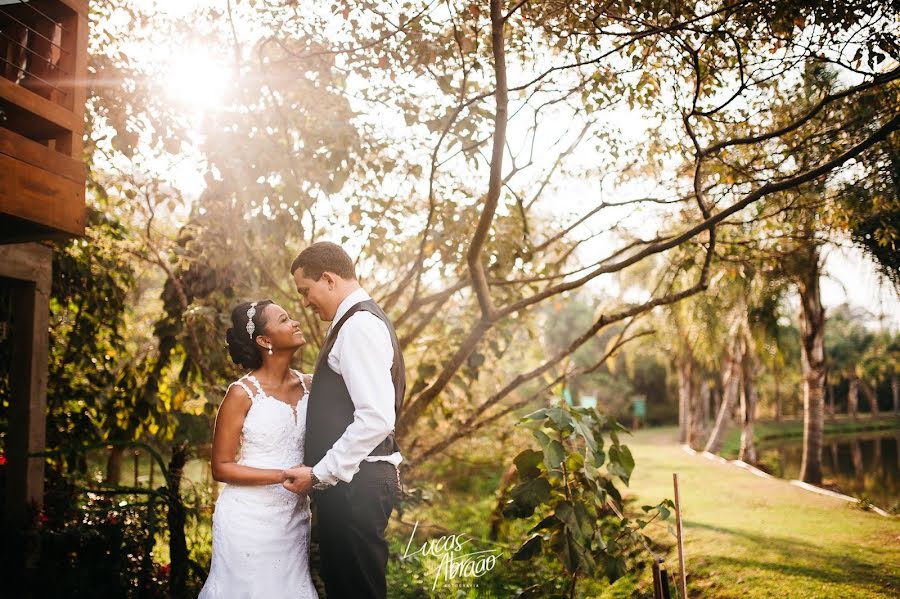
(43, 69)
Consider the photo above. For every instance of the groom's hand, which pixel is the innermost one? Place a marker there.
(298, 479)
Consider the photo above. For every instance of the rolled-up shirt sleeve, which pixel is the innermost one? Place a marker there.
(365, 356)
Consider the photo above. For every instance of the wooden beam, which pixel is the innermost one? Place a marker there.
(38, 196)
(31, 152)
(45, 109)
(78, 85)
(79, 6)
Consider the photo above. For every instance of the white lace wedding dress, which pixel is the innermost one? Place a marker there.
(260, 534)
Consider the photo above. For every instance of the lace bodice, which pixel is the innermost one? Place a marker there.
(274, 431)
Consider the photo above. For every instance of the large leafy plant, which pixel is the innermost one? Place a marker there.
(568, 487)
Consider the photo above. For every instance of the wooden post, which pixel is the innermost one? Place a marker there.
(25, 274)
(682, 576)
(660, 580)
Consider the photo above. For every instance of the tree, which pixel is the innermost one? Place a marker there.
(450, 199)
(88, 316)
(812, 356)
(846, 343)
(880, 364)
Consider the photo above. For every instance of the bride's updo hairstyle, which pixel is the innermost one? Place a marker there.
(241, 346)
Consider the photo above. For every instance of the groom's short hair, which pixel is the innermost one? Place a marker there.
(324, 256)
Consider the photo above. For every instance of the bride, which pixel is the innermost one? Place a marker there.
(260, 533)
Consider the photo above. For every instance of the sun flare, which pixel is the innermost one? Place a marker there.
(193, 79)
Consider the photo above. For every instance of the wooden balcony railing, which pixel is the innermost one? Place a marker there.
(43, 70)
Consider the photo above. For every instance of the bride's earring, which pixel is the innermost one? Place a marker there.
(270, 350)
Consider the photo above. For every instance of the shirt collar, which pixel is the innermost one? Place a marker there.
(351, 300)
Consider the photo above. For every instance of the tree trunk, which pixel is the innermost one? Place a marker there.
(895, 392)
(812, 358)
(858, 467)
(853, 396)
(685, 392)
(872, 396)
(176, 517)
(705, 398)
(731, 378)
(777, 377)
(114, 465)
(748, 402)
(715, 397)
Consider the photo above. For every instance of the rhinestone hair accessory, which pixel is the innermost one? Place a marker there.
(250, 314)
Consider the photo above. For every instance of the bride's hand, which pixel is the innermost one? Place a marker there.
(290, 473)
(298, 479)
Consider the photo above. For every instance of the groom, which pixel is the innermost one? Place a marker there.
(358, 386)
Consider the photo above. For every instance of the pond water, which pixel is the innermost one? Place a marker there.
(864, 465)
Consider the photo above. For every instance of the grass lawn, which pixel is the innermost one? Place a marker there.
(748, 537)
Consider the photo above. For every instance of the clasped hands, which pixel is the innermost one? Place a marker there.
(297, 479)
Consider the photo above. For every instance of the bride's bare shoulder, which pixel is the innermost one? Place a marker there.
(237, 395)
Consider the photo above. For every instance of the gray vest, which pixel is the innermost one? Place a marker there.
(330, 409)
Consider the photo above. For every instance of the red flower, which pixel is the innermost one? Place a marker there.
(2, 460)
(164, 569)
(40, 519)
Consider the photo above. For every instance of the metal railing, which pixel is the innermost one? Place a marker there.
(31, 46)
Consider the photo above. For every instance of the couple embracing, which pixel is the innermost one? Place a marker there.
(324, 439)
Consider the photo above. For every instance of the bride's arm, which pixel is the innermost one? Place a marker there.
(227, 440)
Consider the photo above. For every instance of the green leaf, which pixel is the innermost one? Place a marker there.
(574, 461)
(548, 522)
(585, 520)
(570, 553)
(566, 514)
(622, 428)
(529, 549)
(585, 431)
(527, 464)
(621, 463)
(560, 417)
(513, 510)
(626, 459)
(528, 495)
(554, 454)
(536, 415)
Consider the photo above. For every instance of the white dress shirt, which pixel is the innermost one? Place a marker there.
(362, 355)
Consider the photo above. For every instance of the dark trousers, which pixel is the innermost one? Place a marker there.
(350, 523)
